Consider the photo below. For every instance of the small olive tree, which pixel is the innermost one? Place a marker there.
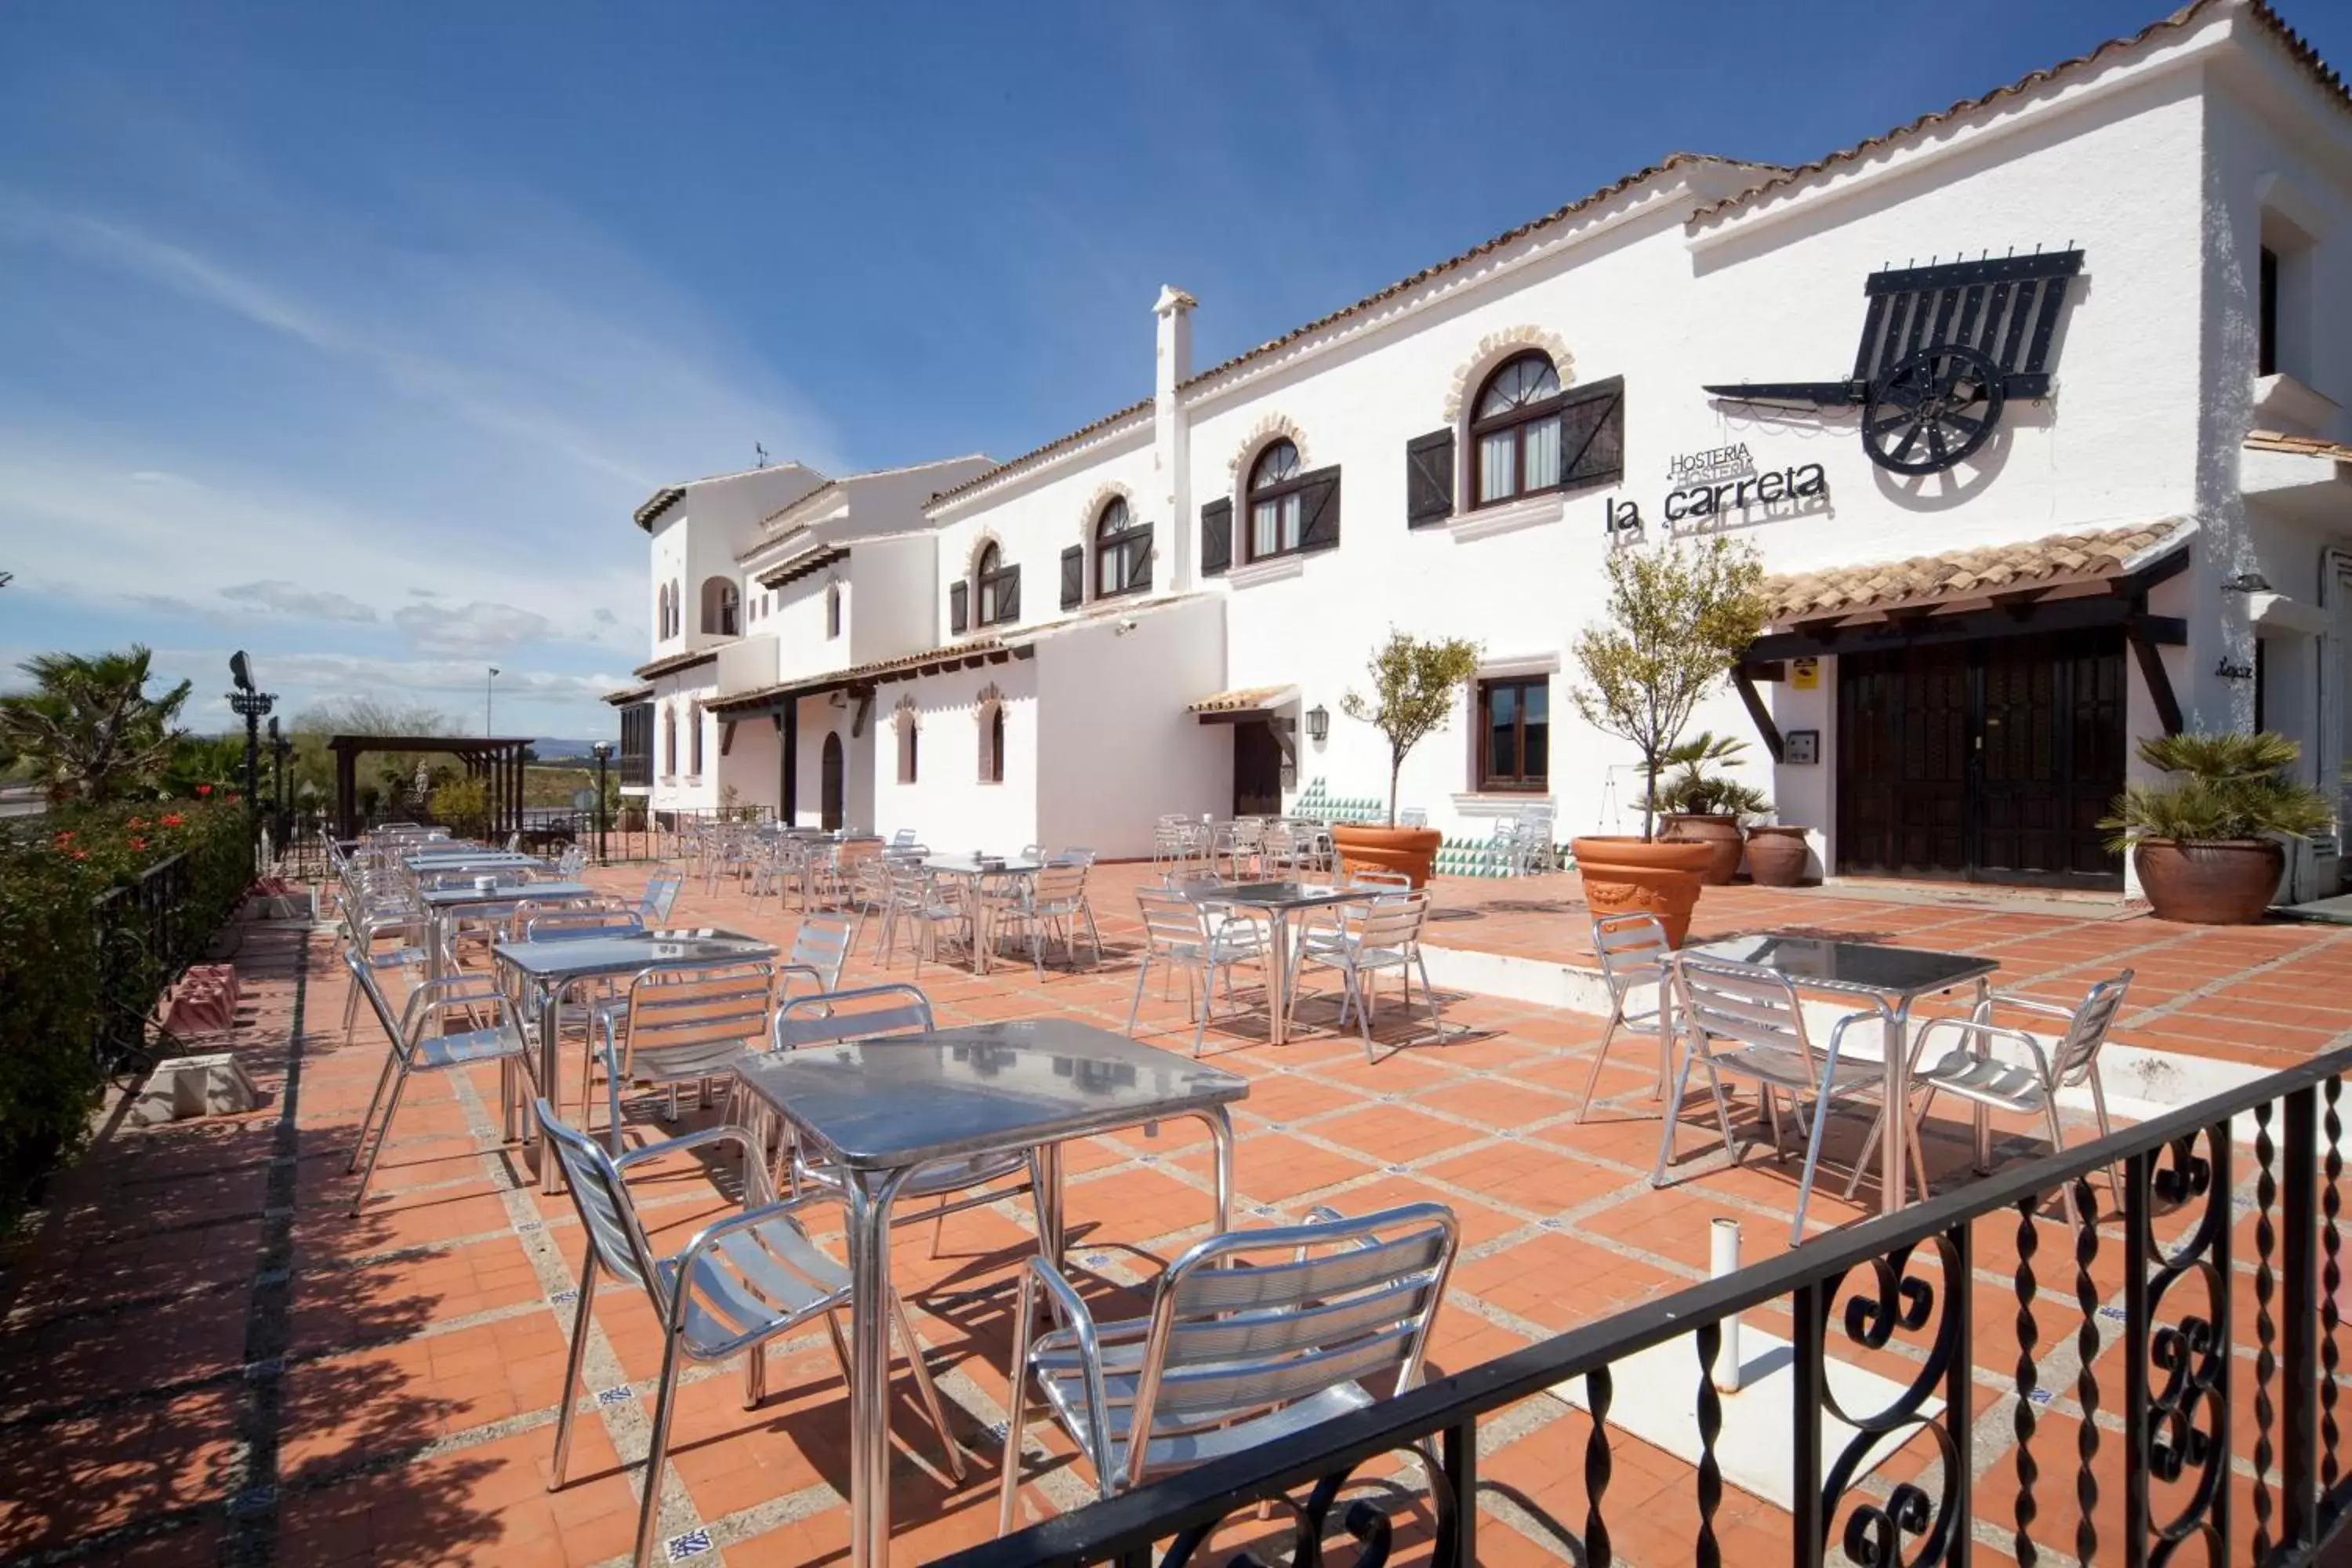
(1414, 683)
(1679, 619)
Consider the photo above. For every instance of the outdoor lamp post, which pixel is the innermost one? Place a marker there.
(251, 706)
(604, 749)
(487, 683)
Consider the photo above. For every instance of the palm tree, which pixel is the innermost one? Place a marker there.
(87, 730)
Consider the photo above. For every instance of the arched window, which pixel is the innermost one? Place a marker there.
(719, 600)
(1514, 426)
(907, 733)
(1122, 551)
(996, 586)
(833, 609)
(661, 613)
(992, 737)
(694, 743)
(669, 741)
(1273, 501)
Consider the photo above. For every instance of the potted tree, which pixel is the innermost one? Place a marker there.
(1414, 682)
(1697, 807)
(2202, 847)
(1679, 618)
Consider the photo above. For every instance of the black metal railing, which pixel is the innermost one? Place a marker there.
(2115, 1459)
(143, 937)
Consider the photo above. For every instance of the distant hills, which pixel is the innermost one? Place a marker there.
(551, 751)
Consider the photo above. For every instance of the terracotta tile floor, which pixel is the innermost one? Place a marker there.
(206, 1360)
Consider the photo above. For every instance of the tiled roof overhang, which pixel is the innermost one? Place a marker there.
(906, 667)
(629, 696)
(674, 663)
(660, 502)
(801, 566)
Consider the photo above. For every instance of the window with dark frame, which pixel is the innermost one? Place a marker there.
(1275, 503)
(2266, 314)
(1514, 733)
(669, 741)
(991, 761)
(993, 588)
(1122, 551)
(908, 732)
(694, 741)
(833, 609)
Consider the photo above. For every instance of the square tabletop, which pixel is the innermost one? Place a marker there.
(450, 859)
(1865, 968)
(1283, 895)
(506, 893)
(889, 1104)
(955, 865)
(587, 956)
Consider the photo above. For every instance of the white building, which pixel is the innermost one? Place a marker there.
(2142, 251)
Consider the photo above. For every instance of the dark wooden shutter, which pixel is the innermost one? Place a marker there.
(1074, 576)
(1592, 434)
(959, 611)
(1429, 478)
(1143, 577)
(1008, 595)
(1319, 510)
(1216, 538)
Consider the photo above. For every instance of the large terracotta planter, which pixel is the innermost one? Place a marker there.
(1627, 876)
(2228, 882)
(1720, 834)
(1365, 847)
(1778, 855)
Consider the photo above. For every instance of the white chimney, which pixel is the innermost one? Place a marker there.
(1172, 443)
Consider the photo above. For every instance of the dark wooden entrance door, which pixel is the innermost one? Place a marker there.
(1991, 761)
(1257, 771)
(830, 789)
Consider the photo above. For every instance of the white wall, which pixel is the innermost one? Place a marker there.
(1035, 517)
(1117, 749)
(948, 805)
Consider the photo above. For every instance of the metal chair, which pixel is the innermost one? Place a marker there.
(2026, 1088)
(1232, 1357)
(917, 902)
(364, 921)
(684, 1025)
(660, 897)
(1055, 899)
(421, 1040)
(876, 1014)
(1631, 949)
(1183, 934)
(743, 1282)
(1758, 1012)
(535, 922)
(820, 946)
(1382, 934)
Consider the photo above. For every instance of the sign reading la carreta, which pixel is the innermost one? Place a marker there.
(1723, 502)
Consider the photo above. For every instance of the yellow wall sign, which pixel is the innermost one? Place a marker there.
(1804, 675)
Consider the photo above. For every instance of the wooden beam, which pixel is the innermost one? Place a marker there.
(1760, 714)
(1968, 625)
(2137, 632)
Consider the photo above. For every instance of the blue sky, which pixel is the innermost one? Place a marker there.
(353, 335)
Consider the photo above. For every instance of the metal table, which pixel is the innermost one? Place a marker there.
(552, 969)
(975, 870)
(444, 904)
(425, 860)
(1280, 901)
(1891, 979)
(881, 1110)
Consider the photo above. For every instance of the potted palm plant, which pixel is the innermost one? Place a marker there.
(1679, 618)
(1414, 683)
(1695, 806)
(2204, 848)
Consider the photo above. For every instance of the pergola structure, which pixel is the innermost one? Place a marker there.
(494, 758)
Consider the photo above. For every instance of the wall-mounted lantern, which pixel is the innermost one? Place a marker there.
(1319, 723)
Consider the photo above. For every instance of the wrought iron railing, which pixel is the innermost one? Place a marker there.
(2217, 1425)
(143, 939)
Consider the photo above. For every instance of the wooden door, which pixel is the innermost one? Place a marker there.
(1257, 771)
(1903, 750)
(830, 789)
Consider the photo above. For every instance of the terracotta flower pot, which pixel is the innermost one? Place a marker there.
(1627, 876)
(2227, 882)
(1363, 847)
(1778, 855)
(1720, 834)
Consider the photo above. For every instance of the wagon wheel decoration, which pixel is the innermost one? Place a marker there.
(1932, 410)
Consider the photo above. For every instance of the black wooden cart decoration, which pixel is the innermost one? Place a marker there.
(1943, 348)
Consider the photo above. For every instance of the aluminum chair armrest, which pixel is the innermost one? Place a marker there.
(1871, 1014)
(1969, 1026)
(722, 1132)
(2030, 1005)
(449, 991)
(710, 1235)
(1072, 1307)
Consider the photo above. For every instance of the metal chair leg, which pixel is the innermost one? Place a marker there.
(665, 1407)
(390, 1059)
(1601, 1060)
(383, 1137)
(1009, 1471)
(564, 1414)
(926, 1388)
(1136, 1007)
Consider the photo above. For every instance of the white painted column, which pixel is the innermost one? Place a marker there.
(1171, 441)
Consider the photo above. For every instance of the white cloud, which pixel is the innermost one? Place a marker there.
(288, 599)
(476, 627)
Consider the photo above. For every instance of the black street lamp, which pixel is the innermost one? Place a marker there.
(604, 749)
(252, 706)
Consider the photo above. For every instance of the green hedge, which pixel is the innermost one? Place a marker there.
(66, 970)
